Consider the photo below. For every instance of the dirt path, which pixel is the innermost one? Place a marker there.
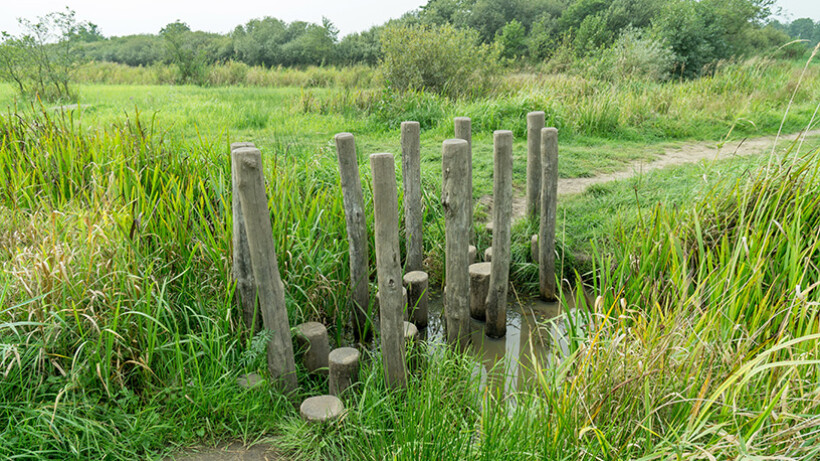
(230, 452)
(689, 153)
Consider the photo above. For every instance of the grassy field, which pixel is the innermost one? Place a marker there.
(120, 333)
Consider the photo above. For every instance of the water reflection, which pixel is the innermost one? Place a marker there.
(509, 364)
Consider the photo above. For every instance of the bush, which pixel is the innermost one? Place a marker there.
(41, 61)
(512, 39)
(632, 57)
(442, 59)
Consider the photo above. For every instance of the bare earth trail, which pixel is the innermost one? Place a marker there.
(231, 452)
(688, 153)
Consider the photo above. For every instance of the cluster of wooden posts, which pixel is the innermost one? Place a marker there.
(471, 289)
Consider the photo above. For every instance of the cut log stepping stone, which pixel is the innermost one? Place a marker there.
(489, 227)
(249, 380)
(322, 408)
(411, 333)
(471, 253)
(488, 254)
(344, 369)
(479, 286)
(312, 339)
(416, 284)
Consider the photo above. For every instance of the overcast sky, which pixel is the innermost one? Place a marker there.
(123, 17)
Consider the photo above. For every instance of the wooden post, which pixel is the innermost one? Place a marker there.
(535, 122)
(549, 201)
(388, 267)
(502, 214)
(242, 271)
(463, 128)
(417, 283)
(269, 287)
(455, 198)
(356, 236)
(411, 178)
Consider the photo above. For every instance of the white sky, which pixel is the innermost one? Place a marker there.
(123, 17)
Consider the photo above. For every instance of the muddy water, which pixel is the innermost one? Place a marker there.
(535, 331)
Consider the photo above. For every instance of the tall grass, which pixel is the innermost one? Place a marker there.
(701, 341)
(115, 285)
(232, 73)
(120, 337)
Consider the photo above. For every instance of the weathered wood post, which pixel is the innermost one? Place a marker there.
(242, 271)
(411, 179)
(463, 129)
(356, 235)
(502, 215)
(388, 267)
(549, 202)
(269, 287)
(535, 122)
(417, 283)
(455, 198)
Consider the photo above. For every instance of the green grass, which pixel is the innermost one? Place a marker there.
(121, 338)
(603, 125)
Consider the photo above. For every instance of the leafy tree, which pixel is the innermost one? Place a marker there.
(43, 58)
(512, 39)
(86, 33)
(361, 47)
(803, 28)
(543, 37)
(185, 52)
(259, 41)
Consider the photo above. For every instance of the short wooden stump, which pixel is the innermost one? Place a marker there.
(344, 369)
(322, 408)
(312, 339)
(416, 283)
(479, 287)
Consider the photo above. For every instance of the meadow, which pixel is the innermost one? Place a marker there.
(122, 339)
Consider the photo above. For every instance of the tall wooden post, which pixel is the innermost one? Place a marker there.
(535, 122)
(356, 235)
(388, 267)
(411, 178)
(242, 271)
(269, 287)
(502, 215)
(463, 128)
(455, 198)
(549, 202)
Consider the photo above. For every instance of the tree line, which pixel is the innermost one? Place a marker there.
(651, 39)
(696, 31)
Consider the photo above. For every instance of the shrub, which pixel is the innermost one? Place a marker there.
(632, 57)
(230, 73)
(512, 39)
(41, 61)
(442, 59)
